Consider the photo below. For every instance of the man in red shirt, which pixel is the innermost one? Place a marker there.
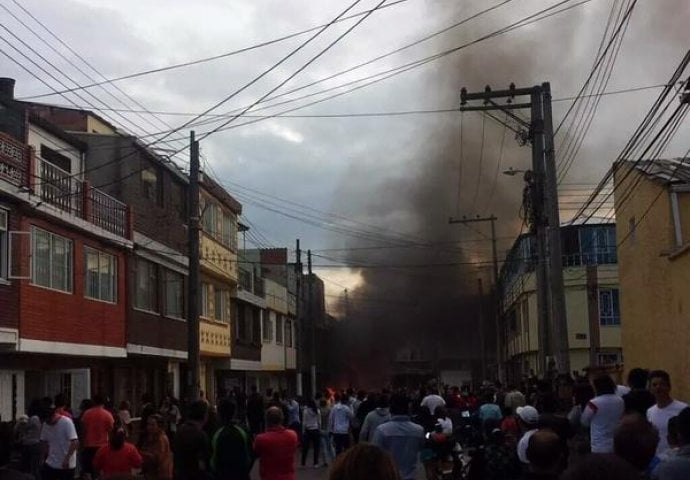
(276, 448)
(96, 425)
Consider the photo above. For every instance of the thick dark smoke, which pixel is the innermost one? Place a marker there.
(437, 309)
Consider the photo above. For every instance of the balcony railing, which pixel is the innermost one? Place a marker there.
(259, 289)
(63, 190)
(245, 280)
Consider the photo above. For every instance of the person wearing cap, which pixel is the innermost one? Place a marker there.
(528, 418)
(60, 442)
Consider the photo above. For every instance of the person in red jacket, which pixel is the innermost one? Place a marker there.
(118, 458)
(276, 448)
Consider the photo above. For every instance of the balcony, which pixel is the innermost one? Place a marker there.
(245, 280)
(60, 188)
(259, 289)
(214, 338)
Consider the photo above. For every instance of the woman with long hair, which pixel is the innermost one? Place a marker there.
(118, 459)
(155, 450)
(311, 435)
(364, 462)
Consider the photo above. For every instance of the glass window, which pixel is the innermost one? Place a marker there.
(101, 275)
(146, 289)
(150, 186)
(209, 219)
(267, 328)
(607, 359)
(288, 333)
(4, 255)
(279, 329)
(174, 294)
(51, 260)
(221, 302)
(609, 307)
(205, 299)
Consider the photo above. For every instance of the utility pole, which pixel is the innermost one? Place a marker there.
(495, 293)
(558, 308)
(482, 344)
(298, 315)
(553, 324)
(193, 353)
(312, 326)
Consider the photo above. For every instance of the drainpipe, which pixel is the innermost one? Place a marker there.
(676, 219)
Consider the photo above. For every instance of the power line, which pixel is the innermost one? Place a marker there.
(481, 161)
(212, 58)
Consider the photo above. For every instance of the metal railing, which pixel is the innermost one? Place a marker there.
(245, 280)
(107, 212)
(259, 289)
(59, 188)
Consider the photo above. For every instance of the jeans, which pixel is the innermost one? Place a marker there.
(327, 448)
(311, 438)
(31, 460)
(342, 442)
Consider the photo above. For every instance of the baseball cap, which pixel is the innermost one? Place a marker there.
(528, 414)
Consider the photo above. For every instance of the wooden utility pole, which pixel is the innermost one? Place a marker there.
(553, 323)
(482, 340)
(193, 347)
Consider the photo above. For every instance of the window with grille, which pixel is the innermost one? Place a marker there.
(174, 294)
(146, 288)
(609, 307)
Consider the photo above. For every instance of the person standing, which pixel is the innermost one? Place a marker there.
(292, 407)
(60, 442)
(30, 441)
(340, 422)
(155, 451)
(96, 425)
(602, 414)
(528, 418)
(677, 467)
(255, 411)
(327, 451)
(401, 438)
(373, 419)
(514, 398)
(665, 407)
(233, 456)
(276, 448)
(311, 422)
(117, 459)
(489, 409)
(638, 399)
(192, 449)
(432, 401)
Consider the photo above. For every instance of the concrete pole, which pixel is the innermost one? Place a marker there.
(559, 319)
(193, 347)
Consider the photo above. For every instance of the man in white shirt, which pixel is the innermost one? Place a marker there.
(665, 408)
(602, 414)
(60, 442)
(339, 423)
(433, 401)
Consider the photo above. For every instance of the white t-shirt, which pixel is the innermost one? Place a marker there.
(432, 402)
(602, 414)
(659, 417)
(59, 437)
(446, 425)
(523, 444)
(622, 390)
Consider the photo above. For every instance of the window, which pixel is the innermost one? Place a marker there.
(4, 255)
(279, 330)
(178, 198)
(51, 260)
(605, 359)
(174, 294)
(101, 275)
(205, 300)
(229, 230)
(150, 185)
(56, 158)
(146, 289)
(267, 328)
(609, 307)
(288, 333)
(256, 326)
(221, 302)
(209, 219)
(598, 245)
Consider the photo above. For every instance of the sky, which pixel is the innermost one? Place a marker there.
(356, 169)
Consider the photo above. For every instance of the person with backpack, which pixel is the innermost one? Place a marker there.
(233, 456)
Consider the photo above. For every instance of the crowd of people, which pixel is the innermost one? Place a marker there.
(531, 431)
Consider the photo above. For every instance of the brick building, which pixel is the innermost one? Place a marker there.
(63, 258)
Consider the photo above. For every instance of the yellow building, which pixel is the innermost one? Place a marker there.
(219, 276)
(653, 248)
(591, 295)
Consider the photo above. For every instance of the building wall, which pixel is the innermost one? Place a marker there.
(654, 299)
(272, 354)
(55, 316)
(9, 291)
(218, 259)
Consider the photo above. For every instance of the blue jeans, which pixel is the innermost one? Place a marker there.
(327, 452)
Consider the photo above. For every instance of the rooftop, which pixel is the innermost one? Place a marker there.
(666, 170)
